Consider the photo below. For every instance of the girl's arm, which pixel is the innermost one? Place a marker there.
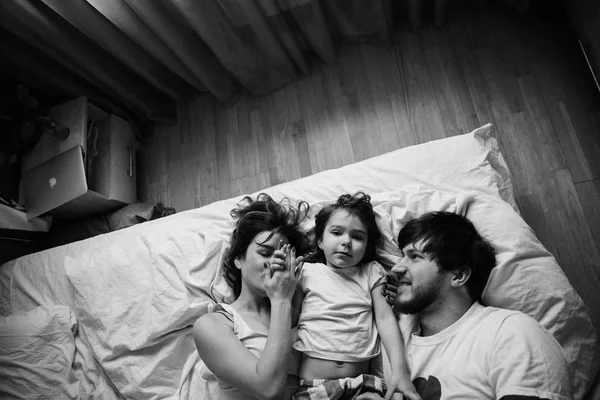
(224, 354)
(388, 329)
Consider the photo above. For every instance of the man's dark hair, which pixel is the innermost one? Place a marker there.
(454, 243)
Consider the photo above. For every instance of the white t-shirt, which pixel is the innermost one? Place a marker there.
(487, 354)
(337, 321)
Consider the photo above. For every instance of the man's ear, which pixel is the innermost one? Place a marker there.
(460, 277)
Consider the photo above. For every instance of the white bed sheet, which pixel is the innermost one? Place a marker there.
(137, 292)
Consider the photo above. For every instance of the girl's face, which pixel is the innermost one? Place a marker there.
(259, 252)
(344, 240)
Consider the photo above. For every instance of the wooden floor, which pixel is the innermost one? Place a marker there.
(522, 72)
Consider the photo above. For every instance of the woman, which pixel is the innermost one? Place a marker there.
(247, 344)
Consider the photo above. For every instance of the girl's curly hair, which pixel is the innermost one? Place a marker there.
(263, 215)
(358, 205)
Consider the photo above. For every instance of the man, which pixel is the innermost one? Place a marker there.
(462, 349)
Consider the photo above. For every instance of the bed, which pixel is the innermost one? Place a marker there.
(111, 316)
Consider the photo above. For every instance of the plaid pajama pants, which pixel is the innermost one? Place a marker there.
(339, 389)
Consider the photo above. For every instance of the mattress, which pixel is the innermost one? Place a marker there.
(128, 299)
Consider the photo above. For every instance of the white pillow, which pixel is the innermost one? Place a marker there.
(37, 349)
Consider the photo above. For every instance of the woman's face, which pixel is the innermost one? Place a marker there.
(259, 251)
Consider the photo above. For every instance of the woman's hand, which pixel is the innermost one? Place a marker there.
(282, 273)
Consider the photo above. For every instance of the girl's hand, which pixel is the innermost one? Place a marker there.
(282, 274)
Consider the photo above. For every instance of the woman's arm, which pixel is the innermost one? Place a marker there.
(388, 329)
(224, 354)
(231, 361)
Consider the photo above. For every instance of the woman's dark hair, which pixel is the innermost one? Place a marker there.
(358, 205)
(260, 215)
(454, 243)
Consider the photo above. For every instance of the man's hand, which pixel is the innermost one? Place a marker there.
(389, 291)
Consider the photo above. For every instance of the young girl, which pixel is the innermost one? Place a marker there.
(343, 309)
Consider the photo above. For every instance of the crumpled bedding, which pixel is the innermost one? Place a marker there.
(38, 347)
(137, 292)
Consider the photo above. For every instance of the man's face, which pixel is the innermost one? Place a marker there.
(421, 282)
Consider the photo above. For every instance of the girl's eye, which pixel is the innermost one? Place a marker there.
(336, 233)
(359, 238)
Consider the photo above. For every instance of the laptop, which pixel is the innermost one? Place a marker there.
(54, 182)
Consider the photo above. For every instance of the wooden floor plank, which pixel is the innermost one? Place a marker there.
(206, 143)
(261, 144)
(398, 95)
(589, 193)
(224, 121)
(424, 112)
(284, 118)
(542, 136)
(357, 117)
(245, 140)
(509, 129)
(312, 106)
(575, 247)
(368, 107)
(378, 82)
(336, 115)
(475, 84)
(450, 88)
(301, 146)
(565, 84)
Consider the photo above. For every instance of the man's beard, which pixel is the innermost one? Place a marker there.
(420, 300)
